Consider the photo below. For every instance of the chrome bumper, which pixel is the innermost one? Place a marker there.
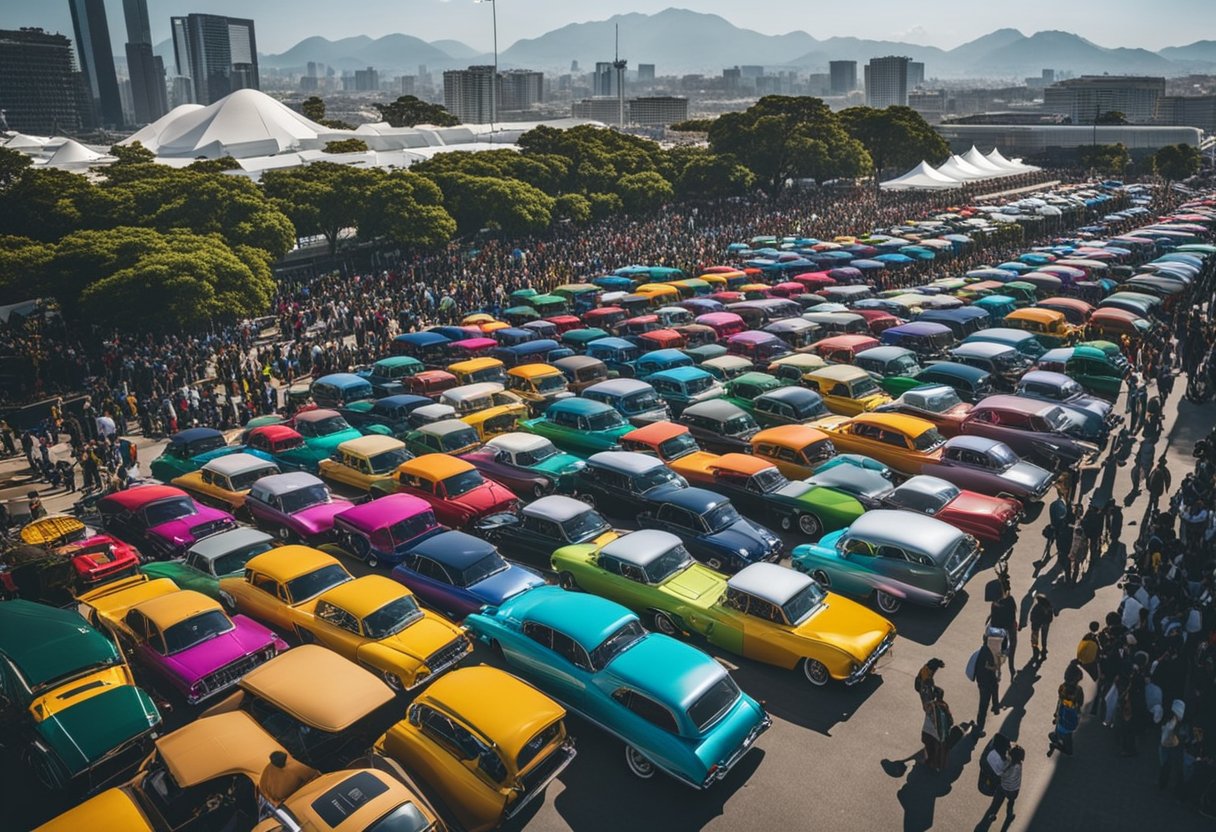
(863, 671)
(722, 769)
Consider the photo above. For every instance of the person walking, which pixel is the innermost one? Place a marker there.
(936, 730)
(1158, 481)
(1041, 615)
(1094, 523)
(924, 683)
(1114, 524)
(1088, 650)
(1070, 699)
(1170, 749)
(987, 667)
(1011, 783)
(1076, 554)
(1003, 614)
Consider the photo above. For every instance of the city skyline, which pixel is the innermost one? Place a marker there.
(1121, 24)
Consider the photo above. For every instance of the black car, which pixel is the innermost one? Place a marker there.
(533, 533)
(971, 383)
(788, 406)
(712, 529)
(625, 483)
(720, 426)
(391, 412)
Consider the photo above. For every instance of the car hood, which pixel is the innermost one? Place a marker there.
(847, 625)
(506, 584)
(693, 582)
(321, 517)
(84, 733)
(485, 497)
(741, 536)
(971, 503)
(196, 662)
(192, 527)
(330, 443)
(422, 638)
(1028, 475)
(560, 464)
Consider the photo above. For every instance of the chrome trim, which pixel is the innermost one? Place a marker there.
(863, 671)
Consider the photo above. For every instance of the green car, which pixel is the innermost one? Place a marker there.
(222, 555)
(189, 450)
(894, 368)
(52, 665)
(1098, 366)
(323, 430)
(580, 426)
(741, 391)
(447, 436)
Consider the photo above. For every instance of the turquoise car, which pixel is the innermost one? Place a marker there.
(189, 450)
(997, 306)
(685, 386)
(580, 426)
(675, 708)
(323, 431)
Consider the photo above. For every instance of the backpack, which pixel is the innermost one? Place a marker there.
(971, 663)
(1067, 717)
(1087, 650)
(988, 781)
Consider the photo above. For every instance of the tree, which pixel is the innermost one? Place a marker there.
(644, 193)
(508, 205)
(780, 138)
(1107, 159)
(575, 208)
(1178, 161)
(692, 125)
(313, 108)
(605, 205)
(1111, 117)
(322, 198)
(47, 203)
(12, 166)
(132, 154)
(23, 264)
(406, 209)
(409, 110)
(214, 165)
(708, 176)
(895, 137)
(345, 146)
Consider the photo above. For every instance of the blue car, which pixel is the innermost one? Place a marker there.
(711, 529)
(618, 355)
(456, 574)
(675, 708)
(542, 350)
(189, 450)
(391, 413)
(685, 386)
(657, 361)
(340, 389)
(964, 321)
(428, 346)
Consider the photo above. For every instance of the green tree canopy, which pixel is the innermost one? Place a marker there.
(313, 108)
(895, 137)
(345, 146)
(23, 265)
(12, 166)
(575, 208)
(1107, 159)
(508, 205)
(132, 154)
(409, 110)
(645, 192)
(692, 125)
(322, 198)
(706, 176)
(1178, 161)
(406, 209)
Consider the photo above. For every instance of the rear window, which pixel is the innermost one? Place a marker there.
(537, 744)
(714, 703)
(316, 582)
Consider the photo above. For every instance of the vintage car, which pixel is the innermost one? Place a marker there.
(457, 574)
(796, 450)
(159, 520)
(224, 482)
(535, 531)
(324, 430)
(1097, 415)
(726, 367)
(638, 401)
(759, 490)
(719, 426)
(430, 383)
(865, 485)
(323, 709)
(741, 390)
(485, 744)
(427, 346)
(188, 450)
(485, 403)
(894, 368)
(1024, 342)
(991, 467)
(980, 515)
(1098, 366)
(711, 529)
(295, 506)
(357, 463)
(578, 339)
(581, 371)
(665, 440)
(838, 323)
(675, 708)
(526, 464)
(62, 557)
(378, 799)
(391, 413)
(1002, 362)
(624, 482)
(386, 375)
(684, 386)
(338, 389)
(897, 556)
(906, 443)
(657, 361)
(1049, 326)
(429, 414)
(281, 586)
(970, 383)
(1043, 432)
(383, 530)
(792, 368)
(70, 704)
(219, 556)
(478, 371)
(842, 349)
(925, 338)
(846, 390)
(936, 403)
(580, 426)
(537, 385)
(453, 487)
(285, 447)
(758, 347)
(792, 406)
(962, 321)
(798, 334)
(447, 436)
(184, 638)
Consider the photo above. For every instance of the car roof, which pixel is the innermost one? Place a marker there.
(365, 594)
(851, 476)
(628, 462)
(782, 434)
(342, 379)
(970, 442)
(1047, 377)
(444, 427)
(618, 387)
(575, 362)
(740, 463)
(588, 619)
(317, 414)
(885, 353)
(641, 548)
(213, 746)
(921, 328)
(216, 545)
(134, 498)
(370, 445)
(925, 484)
(953, 368)
(839, 372)
(231, 465)
(982, 349)
(192, 435)
(910, 425)
(424, 338)
(397, 361)
(769, 582)
(455, 549)
(682, 374)
(435, 466)
(1019, 404)
(286, 563)
(791, 393)
(403, 398)
(283, 483)
(46, 642)
(687, 671)
(698, 500)
(656, 432)
(715, 409)
(276, 432)
(556, 507)
(173, 607)
(473, 391)
(517, 441)
(578, 406)
(1000, 334)
(904, 528)
(384, 511)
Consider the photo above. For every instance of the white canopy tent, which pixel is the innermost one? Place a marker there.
(980, 162)
(957, 171)
(922, 177)
(957, 168)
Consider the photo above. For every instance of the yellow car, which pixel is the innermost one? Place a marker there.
(1049, 326)
(909, 445)
(224, 482)
(487, 407)
(486, 743)
(796, 450)
(370, 798)
(479, 370)
(539, 385)
(360, 462)
(281, 587)
(846, 389)
(377, 623)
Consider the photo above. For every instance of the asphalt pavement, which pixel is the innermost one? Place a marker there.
(842, 758)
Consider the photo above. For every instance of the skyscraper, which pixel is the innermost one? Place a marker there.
(916, 74)
(604, 80)
(97, 60)
(520, 89)
(467, 94)
(645, 73)
(149, 98)
(844, 76)
(887, 82)
(219, 54)
(39, 85)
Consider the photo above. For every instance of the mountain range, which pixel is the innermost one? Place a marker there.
(679, 41)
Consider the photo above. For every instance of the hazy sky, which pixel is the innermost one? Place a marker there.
(282, 23)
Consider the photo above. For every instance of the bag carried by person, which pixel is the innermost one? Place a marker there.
(1068, 716)
(971, 663)
(1087, 650)
(989, 781)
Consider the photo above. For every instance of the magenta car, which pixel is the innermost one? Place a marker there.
(386, 529)
(295, 506)
(160, 520)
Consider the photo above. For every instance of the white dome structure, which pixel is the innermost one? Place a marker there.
(72, 155)
(150, 134)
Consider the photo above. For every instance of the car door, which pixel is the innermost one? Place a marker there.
(855, 570)
(443, 759)
(562, 664)
(675, 520)
(263, 599)
(765, 632)
(897, 567)
(336, 629)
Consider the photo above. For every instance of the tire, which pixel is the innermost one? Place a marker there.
(785, 522)
(392, 680)
(810, 526)
(538, 491)
(822, 578)
(372, 561)
(815, 672)
(566, 581)
(888, 603)
(589, 499)
(228, 603)
(284, 534)
(639, 766)
(664, 625)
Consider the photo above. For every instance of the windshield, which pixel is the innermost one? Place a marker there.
(491, 564)
(392, 618)
(812, 408)
(823, 449)
(928, 440)
(678, 446)
(496, 374)
(1056, 419)
(202, 446)
(714, 703)
(1009, 361)
(406, 530)
(700, 384)
(306, 497)
(550, 384)
(166, 510)
(405, 818)
(739, 425)
(669, 563)
(322, 427)
(459, 439)
(939, 401)
(640, 402)
(862, 387)
(926, 502)
(656, 476)
(625, 637)
(388, 461)
(905, 365)
(536, 455)
(606, 420)
(941, 340)
(585, 526)
(721, 517)
(231, 563)
(462, 483)
(243, 482)
(769, 480)
(799, 608)
(316, 582)
(1069, 390)
(195, 630)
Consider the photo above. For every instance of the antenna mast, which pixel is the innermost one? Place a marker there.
(619, 66)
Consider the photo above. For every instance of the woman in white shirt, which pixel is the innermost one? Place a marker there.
(1010, 771)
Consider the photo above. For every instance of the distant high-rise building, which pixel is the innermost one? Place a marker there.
(219, 54)
(887, 82)
(367, 80)
(149, 98)
(1049, 76)
(657, 110)
(181, 91)
(97, 59)
(751, 71)
(600, 108)
(520, 89)
(916, 74)
(312, 69)
(645, 73)
(574, 66)
(603, 83)
(1085, 98)
(731, 78)
(40, 89)
(407, 85)
(844, 76)
(1189, 110)
(468, 94)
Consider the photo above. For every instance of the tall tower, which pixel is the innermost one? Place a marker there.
(97, 59)
(618, 64)
(147, 70)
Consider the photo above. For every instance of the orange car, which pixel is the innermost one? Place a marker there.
(906, 443)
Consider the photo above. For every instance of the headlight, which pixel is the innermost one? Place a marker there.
(422, 673)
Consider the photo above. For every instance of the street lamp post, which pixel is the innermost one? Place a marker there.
(494, 77)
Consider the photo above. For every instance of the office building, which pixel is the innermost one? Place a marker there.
(752, 72)
(97, 60)
(887, 82)
(931, 104)
(732, 79)
(520, 89)
(468, 94)
(603, 82)
(1085, 98)
(407, 84)
(1189, 110)
(149, 98)
(657, 110)
(1050, 142)
(601, 108)
(645, 73)
(40, 89)
(916, 74)
(218, 54)
(367, 80)
(844, 76)
(181, 91)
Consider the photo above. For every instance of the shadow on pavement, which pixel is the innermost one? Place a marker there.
(788, 696)
(920, 792)
(925, 625)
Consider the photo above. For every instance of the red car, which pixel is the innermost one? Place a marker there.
(430, 383)
(453, 487)
(100, 559)
(877, 320)
(988, 518)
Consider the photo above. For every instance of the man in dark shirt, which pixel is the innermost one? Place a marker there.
(1004, 614)
(987, 682)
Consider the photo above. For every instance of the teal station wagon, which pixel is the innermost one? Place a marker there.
(580, 426)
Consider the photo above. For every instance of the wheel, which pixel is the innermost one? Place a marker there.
(43, 768)
(785, 522)
(809, 525)
(566, 581)
(821, 578)
(392, 680)
(714, 564)
(815, 672)
(589, 499)
(664, 624)
(639, 766)
(228, 603)
(284, 534)
(372, 561)
(888, 603)
(538, 491)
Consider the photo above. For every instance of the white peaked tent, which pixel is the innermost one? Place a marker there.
(149, 135)
(957, 171)
(957, 168)
(980, 162)
(1000, 161)
(20, 141)
(73, 155)
(921, 177)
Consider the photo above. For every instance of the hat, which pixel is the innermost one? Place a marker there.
(935, 664)
(1179, 708)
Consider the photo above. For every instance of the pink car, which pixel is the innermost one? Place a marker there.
(296, 506)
